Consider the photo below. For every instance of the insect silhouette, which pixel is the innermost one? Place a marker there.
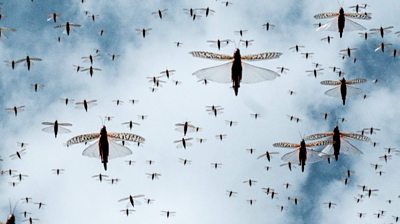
(341, 21)
(105, 147)
(343, 88)
(236, 71)
(302, 154)
(340, 141)
(56, 127)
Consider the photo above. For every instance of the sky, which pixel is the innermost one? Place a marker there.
(197, 192)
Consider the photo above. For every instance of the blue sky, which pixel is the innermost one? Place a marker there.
(197, 192)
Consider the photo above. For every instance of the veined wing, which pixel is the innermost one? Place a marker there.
(330, 83)
(209, 55)
(327, 151)
(47, 123)
(366, 16)
(334, 92)
(125, 137)
(318, 136)
(117, 150)
(349, 26)
(254, 74)
(348, 148)
(219, 73)
(326, 15)
(293, 157)
(313, 156)
(319, 143)
(285, 145)
(64, 124)
(92, 150)
(83, 138)
(356, 81)
(190, 128)
(356, 136)
(261, 56)
(353, 91)
(61, 130)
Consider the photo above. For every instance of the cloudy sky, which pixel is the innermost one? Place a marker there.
(196, 192)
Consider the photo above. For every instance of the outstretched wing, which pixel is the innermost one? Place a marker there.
(125, 137)
(117, 150)
(353, 91)
(349, 26)
(348, 148)
(334, 92)
(326, 15)
(313, 156)
(219, 73)
(356, 81)
(293, 157)
(261, 56)
(254, 74)
(285, 145)
(209, 55)
(327, 151)
(92, 150)
(330, 83)
(356, 136)
(318, 136)
(83, 138)
(366, 16)
(319, 143)
(61, 130)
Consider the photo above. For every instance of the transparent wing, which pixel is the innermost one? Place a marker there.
(285, 145)
(330, 83)
(318, 136)
(366, 16)
(92, 150)
(209, 55)
(356, 136)
(254, 74)
(126, 137)
(335, 92)
(292, 157)
(356, 81)
(348, 148)
(349, 26)
(261, 56)
(190, 128)
(117, 150)
(353, 91)
(326, 15)
(61, 130)
(327, 151)
(219, 73)
(313, 156)
(83, 138)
